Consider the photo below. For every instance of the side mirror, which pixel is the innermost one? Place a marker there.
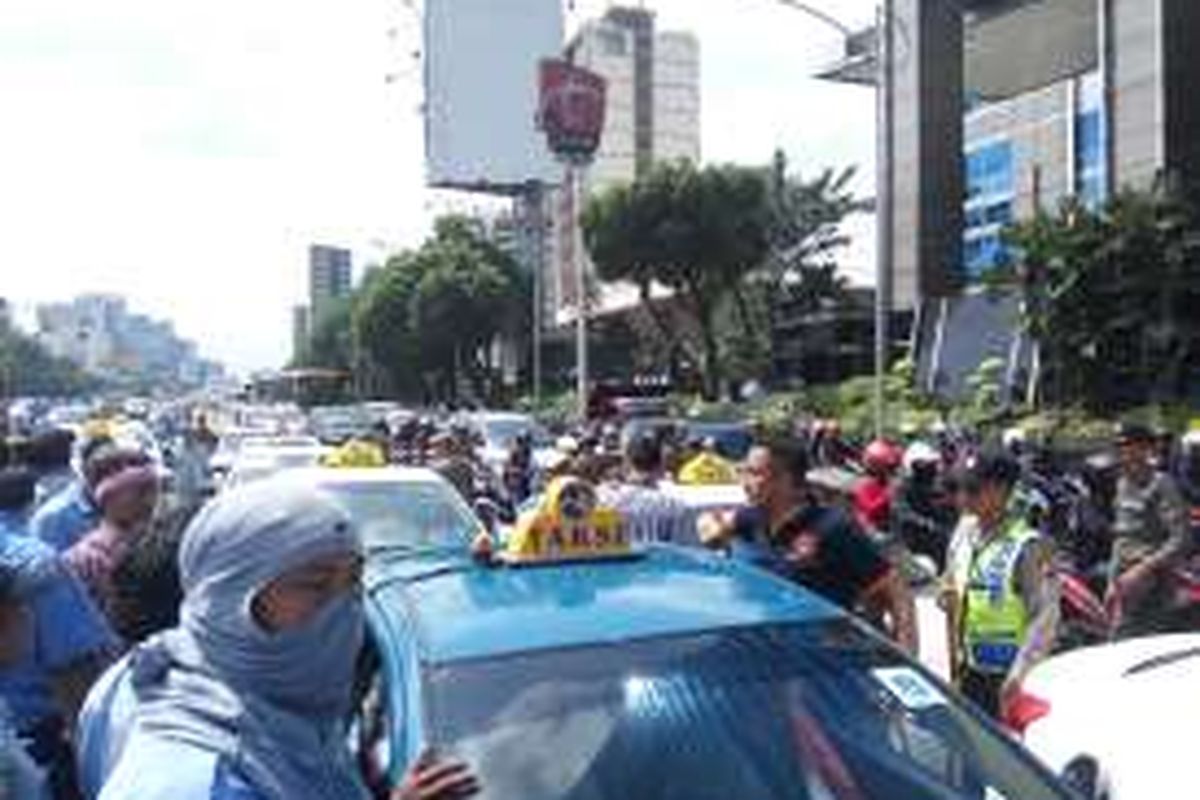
(1082, 774)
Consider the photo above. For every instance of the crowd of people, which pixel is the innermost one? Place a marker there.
(235, 625)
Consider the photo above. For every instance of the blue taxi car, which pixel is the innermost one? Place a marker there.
(671, 674)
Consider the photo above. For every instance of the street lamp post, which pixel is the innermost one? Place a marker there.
(884, 204)
(885, 93)
(571, 113)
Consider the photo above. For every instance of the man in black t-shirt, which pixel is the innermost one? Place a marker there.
(820, 548)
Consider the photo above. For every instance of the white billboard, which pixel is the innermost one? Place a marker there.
(481, 91)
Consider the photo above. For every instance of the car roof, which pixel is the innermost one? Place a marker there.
(718, 425)
(358, 475)
(501, 416)
(466, 611)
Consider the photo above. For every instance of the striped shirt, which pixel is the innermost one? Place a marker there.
(649, 514)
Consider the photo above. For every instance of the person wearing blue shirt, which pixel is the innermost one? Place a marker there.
(67, 516)
(246, 699)
(69, 641)
(50, 459)
(20, 777)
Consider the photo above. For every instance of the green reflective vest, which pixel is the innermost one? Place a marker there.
(996, 617)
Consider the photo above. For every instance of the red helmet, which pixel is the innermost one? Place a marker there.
(882, 456)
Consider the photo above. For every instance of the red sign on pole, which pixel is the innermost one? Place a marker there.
(571, 112)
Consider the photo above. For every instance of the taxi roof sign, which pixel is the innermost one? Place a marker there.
(539, 539)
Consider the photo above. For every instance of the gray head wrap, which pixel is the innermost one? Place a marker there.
(271, 703)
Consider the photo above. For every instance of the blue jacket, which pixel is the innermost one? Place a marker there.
(65, 518)
(154, 768)
(119, 762)
(20, 777)
(67, 627)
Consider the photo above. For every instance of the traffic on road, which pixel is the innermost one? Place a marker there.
(622, 609)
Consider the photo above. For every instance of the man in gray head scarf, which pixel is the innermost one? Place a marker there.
(247, 698)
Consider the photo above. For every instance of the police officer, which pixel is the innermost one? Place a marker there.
(1151, 537)
(1005, 595)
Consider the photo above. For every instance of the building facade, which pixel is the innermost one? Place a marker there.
(101, 335)
(301, 328)
(329, 277)
(1004, 107)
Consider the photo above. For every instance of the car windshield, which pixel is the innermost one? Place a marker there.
(646, 426)
(407, 515)
(340, 416)
(818, 710)
(733, 441)
(500, 433)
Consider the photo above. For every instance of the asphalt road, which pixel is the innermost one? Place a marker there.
(931, 623)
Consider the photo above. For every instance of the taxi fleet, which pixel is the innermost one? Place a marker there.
(566, 663)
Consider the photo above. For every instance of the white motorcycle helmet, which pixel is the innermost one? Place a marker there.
(919, 453)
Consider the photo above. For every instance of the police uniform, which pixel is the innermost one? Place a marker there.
(1149, 515)
(996, 610)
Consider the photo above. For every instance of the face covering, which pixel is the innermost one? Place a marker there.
(270, 703)
(309, 669)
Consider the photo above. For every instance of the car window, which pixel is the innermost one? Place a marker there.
(733, 441)
(407, 515)
(816, 711)
(502, 432)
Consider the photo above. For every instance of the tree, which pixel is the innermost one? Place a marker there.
(429, 317)
(27, 368)
(383, 329)
(800, 273)
(697, 232)
(330, 342)
(1110, 297)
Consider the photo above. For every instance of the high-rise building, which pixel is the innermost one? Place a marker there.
(329, 277)
(652, 114)
(100, 334)
(300, 330)
(1004, 107)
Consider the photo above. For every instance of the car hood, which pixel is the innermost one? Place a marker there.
(1131, 706)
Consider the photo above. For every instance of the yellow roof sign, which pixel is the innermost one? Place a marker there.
(567, 526)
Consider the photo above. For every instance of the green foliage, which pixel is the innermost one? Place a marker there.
(986, 384)
(330, 343)
(383, 325)
(806, 233)
(696, 231)
(732, 243)
(27, 368)
(427, 317)
(1111, 296)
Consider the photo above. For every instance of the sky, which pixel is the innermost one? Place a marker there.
(185, 153)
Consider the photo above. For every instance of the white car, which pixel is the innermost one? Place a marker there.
(1118, 719)
(230, 445)
(398, 509)
(499, 429)
(261, 459)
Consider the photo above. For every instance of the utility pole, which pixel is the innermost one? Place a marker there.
(537, 202)
(581, 295)
(884, 203)
(572, 116)
(885, 96)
